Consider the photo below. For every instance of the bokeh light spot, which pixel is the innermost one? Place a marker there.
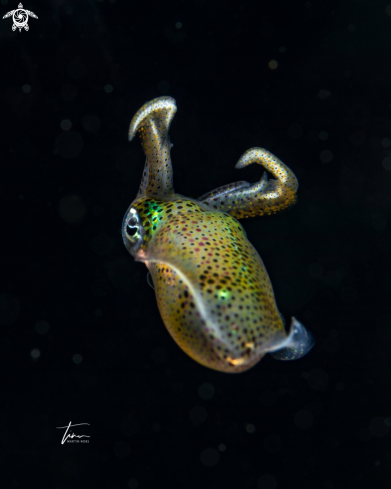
(267, 481)
(72, 209)
(210, 457)
(206, 391)
(77, 359)
(35, 353)
(42, 327)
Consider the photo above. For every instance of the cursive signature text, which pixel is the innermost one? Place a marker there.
(70, 434)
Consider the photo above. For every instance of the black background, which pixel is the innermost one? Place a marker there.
(69, 88)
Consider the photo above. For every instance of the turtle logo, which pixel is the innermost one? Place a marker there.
(20, 17)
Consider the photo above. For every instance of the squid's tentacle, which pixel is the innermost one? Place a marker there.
(264, 197)
(153, 121)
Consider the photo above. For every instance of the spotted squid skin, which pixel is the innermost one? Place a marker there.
(212, 289)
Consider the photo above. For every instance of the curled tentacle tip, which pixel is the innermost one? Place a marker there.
(252, 155)
(160, 103)
(243, 162)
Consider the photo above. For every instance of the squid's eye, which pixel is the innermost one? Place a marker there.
(132, 231)
(132, 227)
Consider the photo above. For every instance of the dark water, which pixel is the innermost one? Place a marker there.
(81, 336)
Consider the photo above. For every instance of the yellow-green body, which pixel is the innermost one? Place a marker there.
(212, 288)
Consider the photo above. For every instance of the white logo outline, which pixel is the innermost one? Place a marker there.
(20, 16)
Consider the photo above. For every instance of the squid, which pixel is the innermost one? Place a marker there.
(212, 288)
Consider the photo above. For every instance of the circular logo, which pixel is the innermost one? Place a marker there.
(20, 18)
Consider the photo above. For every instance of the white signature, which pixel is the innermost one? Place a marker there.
(71, 435)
